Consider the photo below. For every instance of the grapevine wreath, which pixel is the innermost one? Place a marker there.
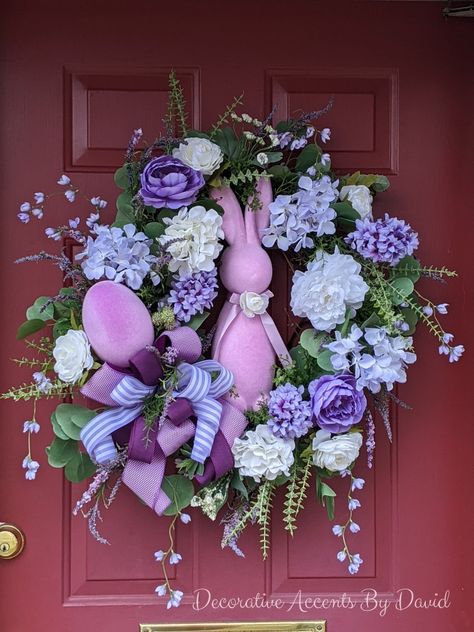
(235, 412)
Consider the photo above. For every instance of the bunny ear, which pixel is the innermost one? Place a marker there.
(257, 221)
(233, 220)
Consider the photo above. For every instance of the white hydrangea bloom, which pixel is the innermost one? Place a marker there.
(260, 454)
(330, 285)
(200, 154)
(72, 353)
(338, 453)
(192, 239)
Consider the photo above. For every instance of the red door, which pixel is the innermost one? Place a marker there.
(76, 80)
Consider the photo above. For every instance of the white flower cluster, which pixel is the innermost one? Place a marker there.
(192, 239)
(119, 254)
(379, 359)
(260, 454)
(72, 353)
(200, 154)
(294, 217)
(331, 285)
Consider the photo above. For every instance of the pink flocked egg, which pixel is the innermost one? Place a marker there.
(116, 322)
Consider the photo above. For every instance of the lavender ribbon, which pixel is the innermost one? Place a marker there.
(197, 393)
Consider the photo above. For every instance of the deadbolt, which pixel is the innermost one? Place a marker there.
(12, 541)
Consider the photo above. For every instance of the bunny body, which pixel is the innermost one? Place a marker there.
(241, 343)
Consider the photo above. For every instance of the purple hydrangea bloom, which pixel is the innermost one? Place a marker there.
(168, 182)
(385, 240)
(337, 404)
(192, 294)
(290, 414)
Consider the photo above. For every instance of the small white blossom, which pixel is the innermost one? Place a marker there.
(70, 195)
(39, 197)
(325, 134)
(64, 180)
(262, 159)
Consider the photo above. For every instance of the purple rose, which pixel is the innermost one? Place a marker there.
(168, 182)
(337, 404)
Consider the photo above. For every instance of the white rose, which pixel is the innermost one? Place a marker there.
(360, 198)
(338, 453)
(253, 303)
(260, 454)
(330, 285)
(200, 154)
(192, 239)
(72, 353)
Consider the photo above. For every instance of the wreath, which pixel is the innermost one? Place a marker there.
(224, 406)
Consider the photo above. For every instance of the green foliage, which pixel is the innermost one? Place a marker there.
(38, 311)
(311, 341)
(307, 158)
(264, 503)
(326, 496)
(227, 140)
(346, 215)
(153, 230)
(400, 288)
(179, 490)
(225, 117)
(372, 181)
(71, 419)
(258, 416)
(79, 467)
(121, 177)
(296, 491)
(304, 368)
(197, 320)
(125, 213)
(176, 104)
(209, 203)
(30, 327)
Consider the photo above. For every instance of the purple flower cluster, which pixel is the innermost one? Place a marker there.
(192, 294)
(290, 414)
(385, 240)
(168, 182)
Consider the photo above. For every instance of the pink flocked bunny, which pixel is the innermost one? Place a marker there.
(246, 340)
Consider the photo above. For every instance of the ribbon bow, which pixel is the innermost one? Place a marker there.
(267, 321)
(196, 394)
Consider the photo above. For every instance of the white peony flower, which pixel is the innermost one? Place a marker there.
(192, 239)
(260, 454)
(253, 304)
(360, 198)
(338, 453)
(72, 353)
(331, 285)
(200, 154)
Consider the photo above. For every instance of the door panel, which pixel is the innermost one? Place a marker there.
(76, 82)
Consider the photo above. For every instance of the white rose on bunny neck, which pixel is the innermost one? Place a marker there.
(247, 341)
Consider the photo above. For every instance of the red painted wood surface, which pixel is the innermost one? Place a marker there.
(75, 81)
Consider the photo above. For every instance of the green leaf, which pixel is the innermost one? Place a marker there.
(381, 184)
(30, 327)
(125, 212)
(307, 158)
(404, 287)
(61, 451)
(311, 341)
(121, 177)
(373, 320)
(279, 171)
(79, 468)
(193, 133)
(72, 418)
(238, 484)
(227, 140)
(324, 361)
(57, 428)
(166, 212)
(197, 320)
(36, 313)
(298, 355)
(179, 490)
(326, 496)
(154, 230)
(61, 327)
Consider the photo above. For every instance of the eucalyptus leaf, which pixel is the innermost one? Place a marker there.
(238, 484)
(227, 140)
(121, 177)
(30, 327)
(324, 361)
(311, 341)
(35, 312)
(79, 467)
(298, 355)
(57, 428)
(61, 451)
(408, 267)
(403, 286)
(179, 490)
(72, 418)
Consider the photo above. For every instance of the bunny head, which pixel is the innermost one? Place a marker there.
(245, 264)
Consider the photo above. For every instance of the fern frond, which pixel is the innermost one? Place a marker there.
(264, 507)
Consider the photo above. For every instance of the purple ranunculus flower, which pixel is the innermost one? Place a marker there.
(168, 182)
(337, 404)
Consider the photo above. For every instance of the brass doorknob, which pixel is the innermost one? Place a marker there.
(12, 541)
